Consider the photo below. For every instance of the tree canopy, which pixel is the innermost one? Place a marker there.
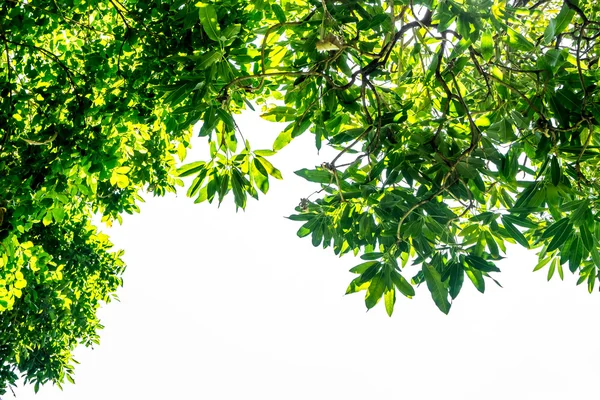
(460, 126)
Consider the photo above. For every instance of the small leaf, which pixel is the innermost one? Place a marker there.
(552, 268)
(390, 299)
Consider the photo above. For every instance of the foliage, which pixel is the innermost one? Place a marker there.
(459, 125)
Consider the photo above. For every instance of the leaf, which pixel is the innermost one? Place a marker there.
(372, 256)
(209, 21)
(269, 168)
(279, 13)
(555, 228)
(476, 278)
(514, 232)
(542, 263)
(360, 268)
(238, 185)
(576, 254)
(375, 291)
(552, 268)
(208, 59)
(318, 176)
(491, 244)
(561, 237)
(284, 138)
(555, 171)
(481, 264)
(588, 240)
(439, 293)
(402, 284)
(457, 277)
(191, 168)
(389, 299)
(559, 24)
(356, 286)
(487, 46)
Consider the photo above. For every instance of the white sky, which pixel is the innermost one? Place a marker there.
(218, 305)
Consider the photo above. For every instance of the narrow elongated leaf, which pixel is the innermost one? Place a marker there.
(402, 284)
(360, 268)
(555, 228)
(457, 277)
(561, 237)
(515, 233)
(476, 278)
(191, 168)
(481, 264)
(318, 176)
(375, 291)
(487, 46)
(390, 299)
(439, 293)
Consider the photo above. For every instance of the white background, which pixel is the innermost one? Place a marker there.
(224, 305)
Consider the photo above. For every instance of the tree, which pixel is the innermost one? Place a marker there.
(459, 125)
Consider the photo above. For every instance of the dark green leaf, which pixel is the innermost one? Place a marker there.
(439, 292)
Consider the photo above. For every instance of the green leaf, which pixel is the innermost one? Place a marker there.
(361, 268)
(586, 236)
(476, 278)
(559, 24)
(576, 253)
(481, 264)
(389, 298)
(372, 256)
(279, 13)
(514, 232)
(318, 176)
(487, 46)
(208, 59)
(552, 268)
(238, 185)
(555, 171)
(542, 263)
(457, 277)
(209, 21)
(284, 138)
(269, 168)
(375, 291)
(191, 168)
(518, 41)
(402, 284)
(439, 293)
(556, 228)
(491, 244)
(561, 237)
